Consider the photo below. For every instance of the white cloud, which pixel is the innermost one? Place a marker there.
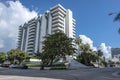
(106, 50)
(11, 16)
(87, 40)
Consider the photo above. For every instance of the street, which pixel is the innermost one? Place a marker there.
(80, 74)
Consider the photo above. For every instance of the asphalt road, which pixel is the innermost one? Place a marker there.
(80, 74)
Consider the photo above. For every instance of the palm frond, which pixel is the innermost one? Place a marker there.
(119, 30)
(117, 18)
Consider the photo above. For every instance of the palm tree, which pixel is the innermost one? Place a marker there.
(78, 41)
(99, 53)
(117, 18)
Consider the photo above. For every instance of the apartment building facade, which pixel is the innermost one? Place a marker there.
(115, 52)
(31, 34)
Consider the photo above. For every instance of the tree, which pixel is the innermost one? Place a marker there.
(16, 54)
(117, 18)
(99, 53)
(56, 46)
(87, 58)
(2, 57)
(78, 41)
(87, 55)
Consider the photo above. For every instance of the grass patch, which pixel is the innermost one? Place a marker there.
(33, 65)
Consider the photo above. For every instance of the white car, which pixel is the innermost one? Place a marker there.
(13, 66)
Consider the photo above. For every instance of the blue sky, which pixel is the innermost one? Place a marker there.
(91, 17)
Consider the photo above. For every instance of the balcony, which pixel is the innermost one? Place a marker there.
(57, 25)
(32, 21)
(32, 33)
(73, 29)
(31, 40)
(74, 32)
(31, 37)
(30, 45)
(30, 50)
(73, 26)
(19, 35)
(58, 14)
(58, 8)
(58, 21)
(31, 28)
(31, 24)
(57, 28)
(57, 17)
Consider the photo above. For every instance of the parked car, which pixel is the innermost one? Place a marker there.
(13, 66)
(5, 64)
(21, 66)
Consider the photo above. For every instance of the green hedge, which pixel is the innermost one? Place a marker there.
(55, 65)
(58, 68)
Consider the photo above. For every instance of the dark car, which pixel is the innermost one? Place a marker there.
(5, 65)
(21, 66)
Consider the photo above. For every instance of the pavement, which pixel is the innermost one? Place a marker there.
(79, 74)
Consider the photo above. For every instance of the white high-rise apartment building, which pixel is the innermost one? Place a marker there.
(57, 19)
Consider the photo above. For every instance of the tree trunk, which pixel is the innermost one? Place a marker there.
(51, 62)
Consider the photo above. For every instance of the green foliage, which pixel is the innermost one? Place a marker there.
(38, 55)
(99, 53)
(86, 58)
(101, 60)
(87, 55)
(2, 57)
(117, 17)
(33, 65)
(16, 54)
(118, 63)
(57, 45)
(55, 65)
